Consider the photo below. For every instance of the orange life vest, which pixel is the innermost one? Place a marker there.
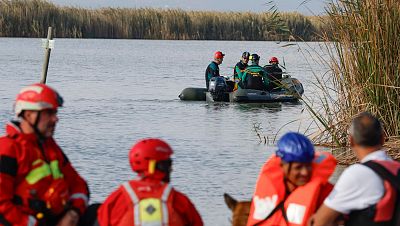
(300, 204)
(151, 206)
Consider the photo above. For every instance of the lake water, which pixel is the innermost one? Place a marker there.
(119, 91)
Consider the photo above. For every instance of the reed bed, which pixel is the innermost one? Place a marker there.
(30, 18)
(365, 63)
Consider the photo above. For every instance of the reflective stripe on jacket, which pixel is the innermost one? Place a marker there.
(147, 202)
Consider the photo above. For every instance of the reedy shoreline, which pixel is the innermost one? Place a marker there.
(365, 72)
(30, 18)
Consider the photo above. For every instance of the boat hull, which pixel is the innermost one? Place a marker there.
(291, 91)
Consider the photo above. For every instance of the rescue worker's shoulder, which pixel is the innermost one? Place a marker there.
(354, 176)
(180, 200)
(118, 201)
(186, 209)
(8, 157)
(357, 172)
(213, 66)
(8, 146)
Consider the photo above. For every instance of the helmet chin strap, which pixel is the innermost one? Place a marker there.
(39, 135)
(34, 126)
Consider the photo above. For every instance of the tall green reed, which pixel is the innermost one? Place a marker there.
(365, 66)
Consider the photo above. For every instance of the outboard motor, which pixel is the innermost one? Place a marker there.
(218, 88)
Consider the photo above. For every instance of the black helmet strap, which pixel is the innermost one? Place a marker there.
(35, 125)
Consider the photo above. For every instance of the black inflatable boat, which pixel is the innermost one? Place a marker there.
(290, 90)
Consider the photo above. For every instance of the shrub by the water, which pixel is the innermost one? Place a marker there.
(30, 18)
(365, 68)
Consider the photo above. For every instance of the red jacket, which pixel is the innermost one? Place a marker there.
(119, 210)
(26, 177)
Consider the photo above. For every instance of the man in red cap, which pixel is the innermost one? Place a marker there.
(213, 69)
(150, 200)
(38, 185)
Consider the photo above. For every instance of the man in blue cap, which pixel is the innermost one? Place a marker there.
(292, 183)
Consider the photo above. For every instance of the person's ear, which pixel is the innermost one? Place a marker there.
(351, 141)
(29, 115)
(383, 139)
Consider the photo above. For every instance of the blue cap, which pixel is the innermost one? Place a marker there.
(295, 147)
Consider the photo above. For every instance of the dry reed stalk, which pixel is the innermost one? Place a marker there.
(365, 70)
(30, 18)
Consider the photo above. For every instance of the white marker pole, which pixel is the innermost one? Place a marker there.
(48, 44)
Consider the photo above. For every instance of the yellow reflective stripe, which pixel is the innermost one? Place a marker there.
(152, 166)
(37, 162)
(38, 173)
(55, 170)
(43, 171)
(150, 211)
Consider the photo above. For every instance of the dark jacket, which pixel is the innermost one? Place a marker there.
(255, 77)
(274, 74)
(239, 69)
(211, 71)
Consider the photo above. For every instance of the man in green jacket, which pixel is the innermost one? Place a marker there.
(255, 77)
(213, 69)
(239, 69)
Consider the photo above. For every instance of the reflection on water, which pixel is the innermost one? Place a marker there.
(119, 91)
(254, 107)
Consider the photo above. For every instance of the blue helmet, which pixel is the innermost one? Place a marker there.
(295, 147)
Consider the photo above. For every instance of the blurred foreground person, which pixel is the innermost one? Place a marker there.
(149, 200)
(365, 193)
(292, 184)
(38, 185)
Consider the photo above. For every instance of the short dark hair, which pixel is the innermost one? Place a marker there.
(366, 130)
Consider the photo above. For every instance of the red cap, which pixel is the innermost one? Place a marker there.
(218, 55)
(273, 60)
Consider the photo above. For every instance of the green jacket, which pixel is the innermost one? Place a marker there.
(211, 71)
(239, 69)
(255, 77)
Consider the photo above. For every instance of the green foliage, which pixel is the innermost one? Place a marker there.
(365, 63)
(30, 18)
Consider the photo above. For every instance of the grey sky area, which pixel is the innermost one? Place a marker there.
(308, 7)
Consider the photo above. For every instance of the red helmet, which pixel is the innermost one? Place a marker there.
(37, 97)
(218, 55)
(144, 155)
(273, 60)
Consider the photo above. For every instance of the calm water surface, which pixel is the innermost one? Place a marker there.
(119, 91)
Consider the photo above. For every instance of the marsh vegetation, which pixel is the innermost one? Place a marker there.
(365, 70)
(30, 18)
